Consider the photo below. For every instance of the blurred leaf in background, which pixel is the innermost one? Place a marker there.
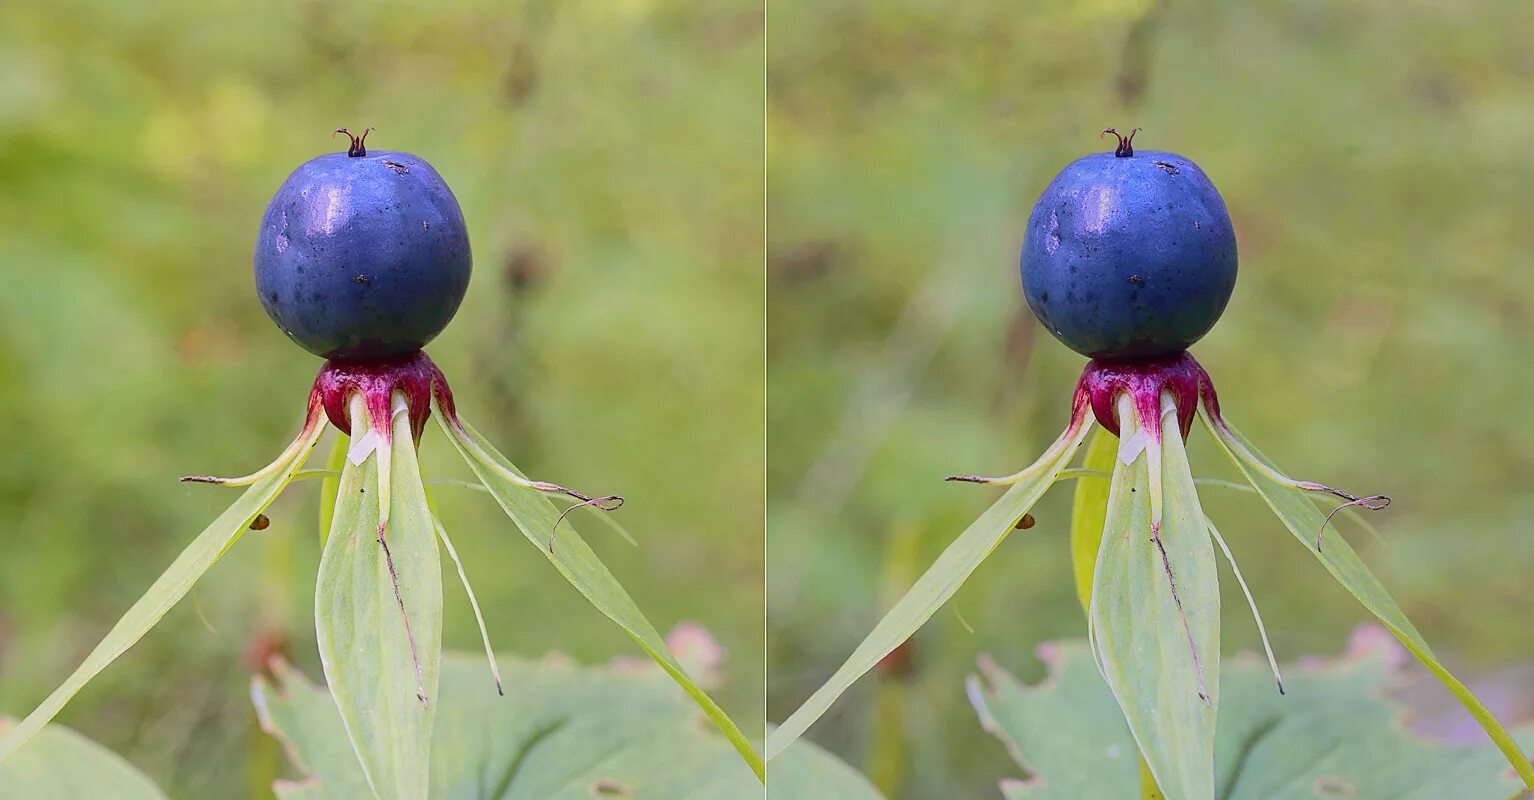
(570, 732)
(608, 159)
(1364, 152)
(61, 764)
(1337, 734)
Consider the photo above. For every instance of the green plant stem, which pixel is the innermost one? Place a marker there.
(331, 483)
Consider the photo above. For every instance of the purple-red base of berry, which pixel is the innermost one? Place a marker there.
(414, 376)
(1102, 382)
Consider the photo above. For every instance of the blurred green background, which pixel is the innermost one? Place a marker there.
(608, 158)
(1370, 156)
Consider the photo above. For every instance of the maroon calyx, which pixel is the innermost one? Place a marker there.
(1145, 381)
(414, 376)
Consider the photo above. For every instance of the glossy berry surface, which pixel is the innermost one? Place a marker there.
(362, 257)
(1129, 256)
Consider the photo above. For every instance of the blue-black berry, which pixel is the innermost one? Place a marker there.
(362, 255)
(1129, 255)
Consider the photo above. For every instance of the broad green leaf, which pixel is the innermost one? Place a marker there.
(1299, 514)
(1089, 511)
(362, 638)
(1333, 735)
(60, 764)
(535, 515)
(1067, 733)
(562, 732)
(930, 592)
(164, 593)
(1089, 514)
(806, 772)
(1142, 643)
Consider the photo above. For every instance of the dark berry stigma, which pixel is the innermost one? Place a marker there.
(1126, 146)
(358, 147)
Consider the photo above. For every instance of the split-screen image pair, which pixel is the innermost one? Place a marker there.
(723, 400)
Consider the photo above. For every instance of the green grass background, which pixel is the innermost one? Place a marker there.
(607, 154)
(1370, 153)
(608, 158)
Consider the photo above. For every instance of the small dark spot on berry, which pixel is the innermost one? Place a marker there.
(1136, 280)
(1170, 169)
(1198, 226)
(399, 169)
(1044, 297)
(362, 280)
(273, 297)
